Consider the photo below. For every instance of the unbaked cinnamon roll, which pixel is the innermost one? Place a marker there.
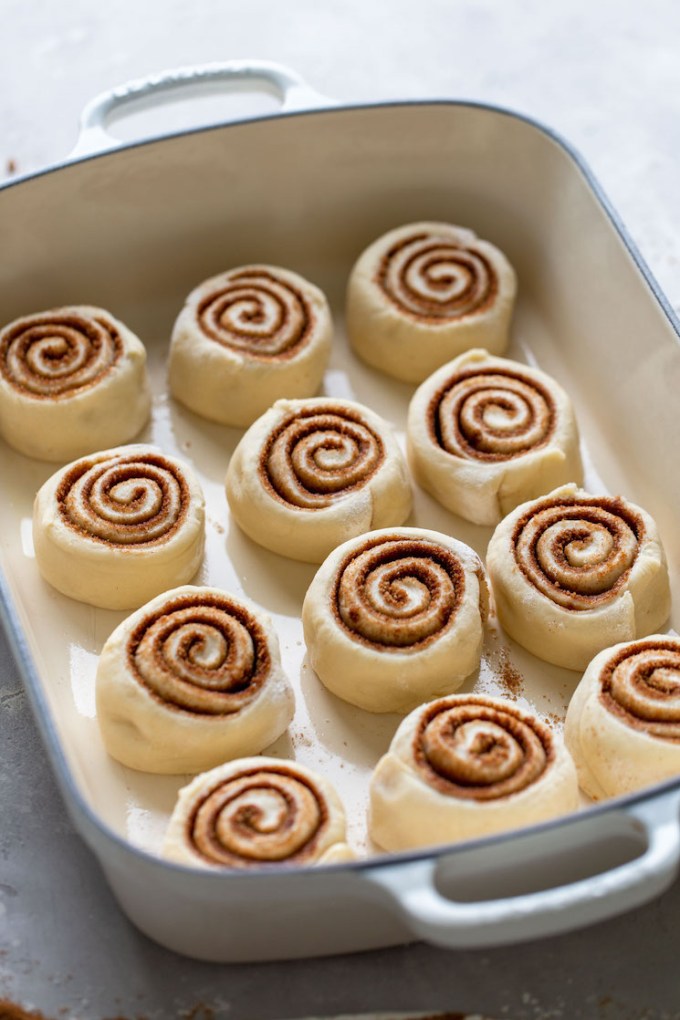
(119, 527)
(257, 813)
(310, 474)
(72, 380)
(623, 721)
(486, 433)
(468, 766)
(574, 573)
(190, 680)
(395, 617)
(424, 293)
(247, 338)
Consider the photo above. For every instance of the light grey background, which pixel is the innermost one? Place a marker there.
(605, 74)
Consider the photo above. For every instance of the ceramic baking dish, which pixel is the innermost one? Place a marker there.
(133, 227)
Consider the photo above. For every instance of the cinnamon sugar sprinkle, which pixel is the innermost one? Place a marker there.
(510, 678)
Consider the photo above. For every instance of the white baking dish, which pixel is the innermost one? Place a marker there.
(134, 229)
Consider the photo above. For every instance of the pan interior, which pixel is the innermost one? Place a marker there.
(136, 230)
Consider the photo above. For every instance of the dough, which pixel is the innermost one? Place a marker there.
(424, 293)
(573, 573)
(395, 618)
(119, 527)
(310, 474)
(623, 721)
(246, 338)
(72, 381)
(464, 767)
(257, 812)
(486, 433)
(190, 680)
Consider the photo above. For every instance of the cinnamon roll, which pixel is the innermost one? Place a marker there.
(424, 293)
(119, 527)
(574, 573)
(395, 617)
(486, 433)
(257, 813)
(190, 680)
(72, 380)
(623, 721)
(468, 766)
(311, 473)
(246, 338)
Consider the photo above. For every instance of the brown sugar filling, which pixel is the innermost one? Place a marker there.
(146, 478)
(433, 252)
(227, 825)
(398, 594)
(203, 654)
(640, 685)
(318, 456)
(235, 314)
(607, 524)
(472, 749)
(54, 356)
(456, 420)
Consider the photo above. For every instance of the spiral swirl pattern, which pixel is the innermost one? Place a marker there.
(270, 815)
(128, 499)
(56, 354)
(202, 653)
(492, 415)
(399, 593)
(471, 748)
(319, 455)
(578, 552)
(258, 313)
(435, 277)
(641, 685)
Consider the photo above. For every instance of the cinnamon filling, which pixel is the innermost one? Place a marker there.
(52, 356)
(491, 415)
(319, 456)
(124, 501)
(434, 278)
(203, 654)
(397, 593)
(262, 816)
(475, 750)
(640, 685)
(257, 314)
(578, 551)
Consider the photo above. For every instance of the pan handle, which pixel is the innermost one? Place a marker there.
(436, 918)
(284, 83)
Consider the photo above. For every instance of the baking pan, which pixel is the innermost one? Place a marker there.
(133, 227)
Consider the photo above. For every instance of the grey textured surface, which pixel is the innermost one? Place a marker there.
(607, 76)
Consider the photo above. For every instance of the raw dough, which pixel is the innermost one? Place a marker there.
(247, 338)
(119, 527)
(623, 720)
(257, 812)
(310, 474)
(72, 381)
(191, 680)
(486, 433)
(424, 293)
(395, 617)
(573, 573)
(468, 766)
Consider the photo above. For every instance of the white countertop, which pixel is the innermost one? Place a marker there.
(603, 73)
